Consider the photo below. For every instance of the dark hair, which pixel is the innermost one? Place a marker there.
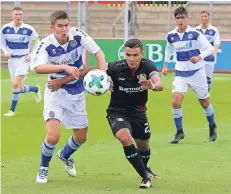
(57, 15)
(17, 9)
(204, 11)
(134, 43)
(180, 10)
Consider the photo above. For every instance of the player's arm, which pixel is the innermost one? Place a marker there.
(217, 43)
(206, 49)
(4, 46)
(58, 83)
(154, 82)
(90, 45)
(40, 59)
(168, 53)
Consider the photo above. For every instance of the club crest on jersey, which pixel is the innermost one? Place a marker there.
(8, 30)
(53, 51)
(73, 43)
(210, 32)
(190, 36)
(172, 38)
(141, 77)
(24, 31)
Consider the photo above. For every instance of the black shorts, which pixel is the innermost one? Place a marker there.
(136, 123)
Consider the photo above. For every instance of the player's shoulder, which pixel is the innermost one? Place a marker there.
(171, 34)
(147, 61)
(6, 26)
(211, 27)
(28, 27)
(45, 42)
(76, 31)
(118, 63)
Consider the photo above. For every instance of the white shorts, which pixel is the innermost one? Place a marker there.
(18, 66)
(198, 82)
(71, 113)
(209, 68)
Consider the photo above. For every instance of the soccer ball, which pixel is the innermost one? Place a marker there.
(96, 82)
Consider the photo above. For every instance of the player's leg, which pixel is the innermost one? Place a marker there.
(53, 115)
(22, 69)
(75, 117)
(48, 148)
(200, 89)
(121, 130)
(141, 133)
(15, 93)
(209, 68)
(74, 142)
(179, 89)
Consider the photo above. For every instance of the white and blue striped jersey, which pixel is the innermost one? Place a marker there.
(184, 46)
(49, 51)
(212, 35)
(16, 40)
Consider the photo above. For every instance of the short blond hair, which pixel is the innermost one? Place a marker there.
(204, 11)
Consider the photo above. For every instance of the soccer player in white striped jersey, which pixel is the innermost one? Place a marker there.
(190, 48)
(60, 56)
(16, 39)
(213, 36)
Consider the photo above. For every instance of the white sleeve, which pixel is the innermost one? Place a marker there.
(168, 51)
(3, 43)
(206, 48)
(87, 42)
(39, 56)
(33, 35)
(217, 37)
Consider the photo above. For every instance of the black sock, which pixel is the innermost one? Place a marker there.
(135, 159)
(145, 156)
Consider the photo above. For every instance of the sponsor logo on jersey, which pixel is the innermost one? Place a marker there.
(131, 90)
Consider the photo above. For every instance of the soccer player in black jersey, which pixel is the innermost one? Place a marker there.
(126, 113)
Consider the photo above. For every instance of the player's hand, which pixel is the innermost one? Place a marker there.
(194, 60)
(54, 85)
(146, 84)
(73, 71)
(27, 58)
(165, 71)
(8, 55)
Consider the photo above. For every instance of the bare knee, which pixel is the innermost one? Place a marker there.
(142, 145)
(176, 103)
(124, 136)
(177, 100)
(204, 102)
(52, 138)
(80, 135)
(16, 85)
(53, 131)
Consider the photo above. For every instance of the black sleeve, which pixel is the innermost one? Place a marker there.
(150, 68)
(111, 68)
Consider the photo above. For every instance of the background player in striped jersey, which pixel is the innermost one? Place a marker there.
(60, 56)
(16, 38)
(213, 36)
(190, 47)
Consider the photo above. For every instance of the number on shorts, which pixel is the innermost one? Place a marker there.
(146, 129)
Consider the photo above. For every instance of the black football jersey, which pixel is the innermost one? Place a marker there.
(128, 95)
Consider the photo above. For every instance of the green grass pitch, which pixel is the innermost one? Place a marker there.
(194, 166)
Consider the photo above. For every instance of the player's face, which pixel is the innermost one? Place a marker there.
(181, 21)
(61, 30)
(17, 16)
(133, 57)
(204, 18)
